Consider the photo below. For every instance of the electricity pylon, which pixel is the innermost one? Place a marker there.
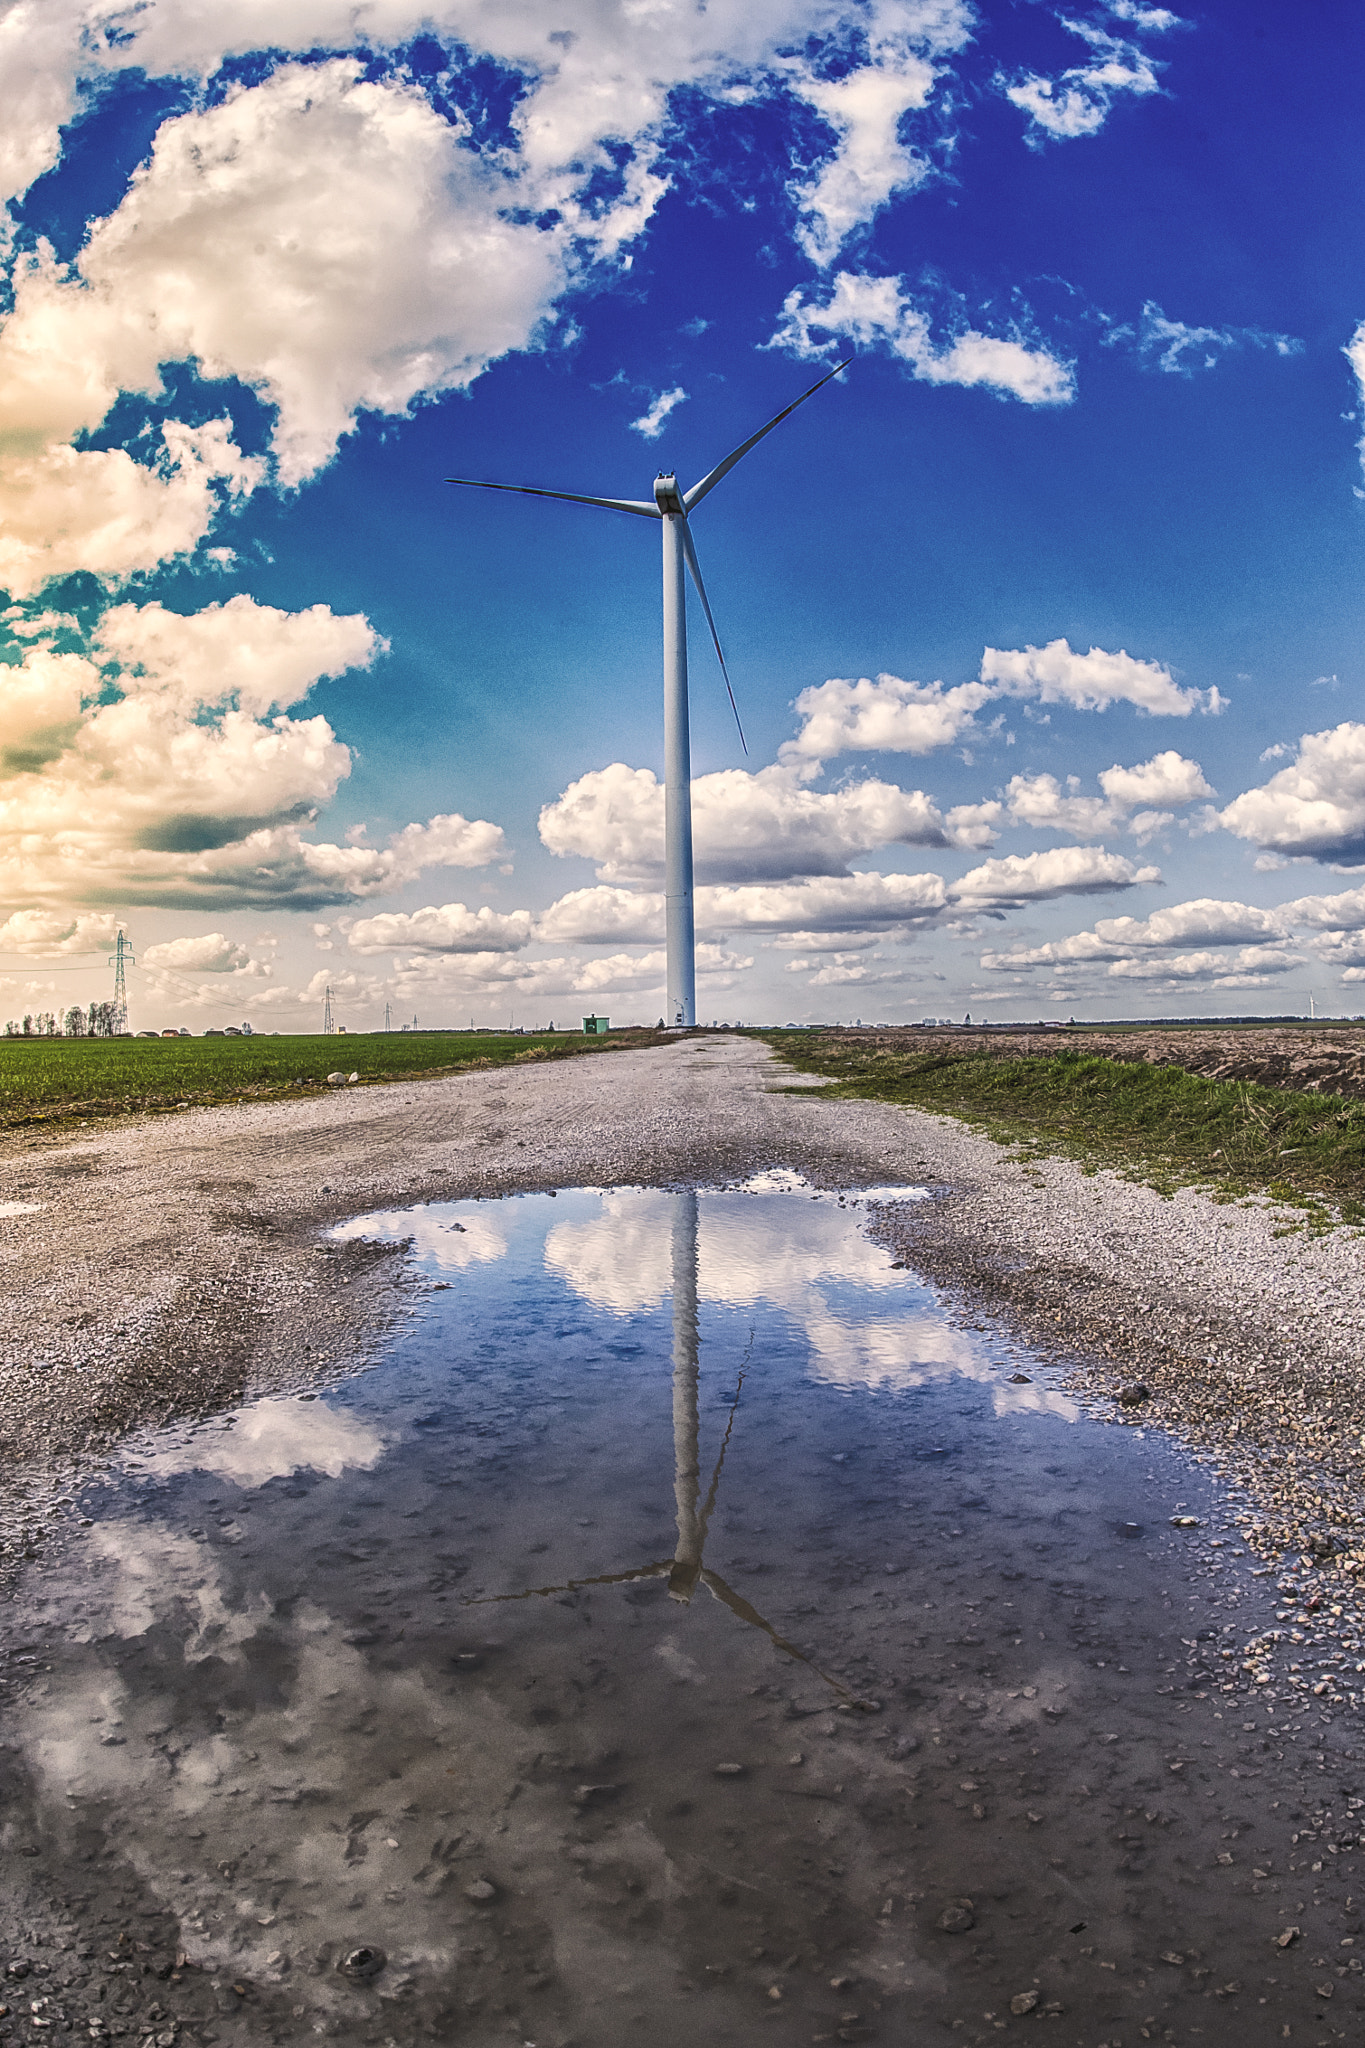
(328, 1026)
(122, 951)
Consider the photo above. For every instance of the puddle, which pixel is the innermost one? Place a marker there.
(687, 1630)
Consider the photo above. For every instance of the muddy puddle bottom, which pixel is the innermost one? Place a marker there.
(687, 1635)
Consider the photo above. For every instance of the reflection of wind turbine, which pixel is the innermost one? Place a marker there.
(685, 1568)
(671, 506)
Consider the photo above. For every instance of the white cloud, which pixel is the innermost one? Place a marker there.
(764, 825)
(63, 510)
(331, 238)
(1035, 877)
(1354, 352)
(651, 422)
(451, 928)
(1168, 778)
(1343, 912)
(826, 942)
(843, 716)
(1079, 101)
(163, 772)
(208, 953)
(890, 715)
(865, 108)
(876, 312)
(829, 902)
(1179, 350)
(250, 655)
(1093, 681)
(51, 934)
(323, 237)
(1314, 807)
(603, 916)
(448, 841)
(1202, 923)
(1224, 969)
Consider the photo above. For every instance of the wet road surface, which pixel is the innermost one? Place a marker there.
(687, 1632)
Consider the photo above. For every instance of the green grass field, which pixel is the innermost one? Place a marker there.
(49, 1080)
(1160, 1124)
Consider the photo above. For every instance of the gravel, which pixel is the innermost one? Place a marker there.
(177, 1263)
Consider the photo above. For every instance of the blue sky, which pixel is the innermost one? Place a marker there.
(1044, 619)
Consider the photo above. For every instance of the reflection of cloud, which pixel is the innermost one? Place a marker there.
(904, 1351)
(272, 1438)
(435, 1239)
(154, 1570)
(748, 1250)
(1035, 1401)
(20, 1208)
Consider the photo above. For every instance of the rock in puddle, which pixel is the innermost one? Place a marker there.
(360, 1964)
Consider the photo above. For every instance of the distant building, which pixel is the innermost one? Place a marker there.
(596, 1027)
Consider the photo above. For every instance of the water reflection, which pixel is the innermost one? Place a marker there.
(320, 1669)
(686, 1568)
(270, 1439)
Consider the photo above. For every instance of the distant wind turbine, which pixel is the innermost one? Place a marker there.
(672, 507)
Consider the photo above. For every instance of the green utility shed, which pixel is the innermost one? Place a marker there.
(596, 1026)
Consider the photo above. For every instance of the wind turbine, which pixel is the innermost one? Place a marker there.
(672, 507)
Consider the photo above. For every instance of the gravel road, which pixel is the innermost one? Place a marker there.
(170, 1265)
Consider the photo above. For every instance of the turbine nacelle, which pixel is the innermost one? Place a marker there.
(668, 497)
(671, 507)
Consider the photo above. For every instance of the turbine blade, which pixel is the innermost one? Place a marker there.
(695, 567)
(713, 477)
(638, 505)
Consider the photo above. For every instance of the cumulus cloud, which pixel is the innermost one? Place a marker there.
(1093, 681)
(1187, 930)
(1314, 807)
(207, 953)
(1222, 969)
(64, 510)
(51, 934)
(843, 716)
(745, 826)
(891, 715)
(1036, 877)
(603, 916)
(877, 312)
(162, 766)
(1355, 356)
(250, 655)
(1168, 779)
(341, 240)
(450, 929)
(1078, 102)
(828, 902)
(321, 236)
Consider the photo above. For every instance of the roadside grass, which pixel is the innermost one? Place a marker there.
(60, 1080)
(1159, 1125)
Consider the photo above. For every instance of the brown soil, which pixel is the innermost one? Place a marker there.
(1319, 1060)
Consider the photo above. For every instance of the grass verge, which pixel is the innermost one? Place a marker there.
(60, 1080)
(1160, 1125)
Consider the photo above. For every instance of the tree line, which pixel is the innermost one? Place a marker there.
(101, 1020)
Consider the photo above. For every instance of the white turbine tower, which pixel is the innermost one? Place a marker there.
(672, 506)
